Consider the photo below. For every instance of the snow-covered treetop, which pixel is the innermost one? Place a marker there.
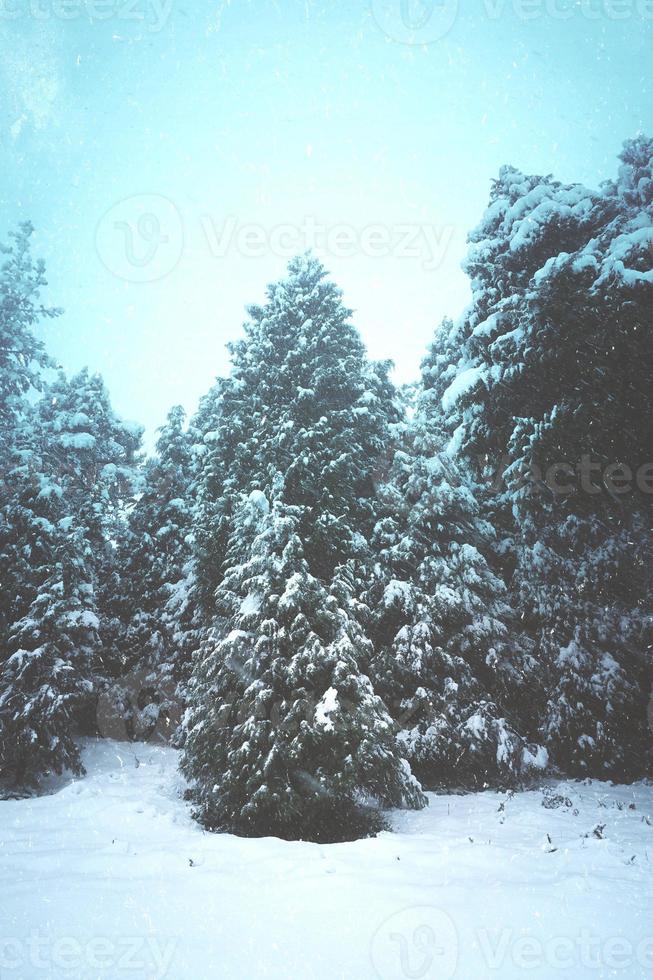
(21, 353)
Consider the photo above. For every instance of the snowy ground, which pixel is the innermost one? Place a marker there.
(109, 877)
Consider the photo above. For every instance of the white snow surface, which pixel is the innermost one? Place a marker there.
(109, 877)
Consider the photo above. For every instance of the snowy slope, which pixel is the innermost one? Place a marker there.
(109, 877)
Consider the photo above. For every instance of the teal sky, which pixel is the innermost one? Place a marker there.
(172, 163)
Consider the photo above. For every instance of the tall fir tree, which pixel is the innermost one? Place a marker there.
(22, 360)
(22, 354)
(47, 680)
(302, 424)
(285, 734)
(450, 658)
(73, 466)
(302, 400)
(153, 558)
(549, 380)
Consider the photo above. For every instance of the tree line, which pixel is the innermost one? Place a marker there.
(333, 594)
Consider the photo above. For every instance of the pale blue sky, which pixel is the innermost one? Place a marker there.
(224, 121)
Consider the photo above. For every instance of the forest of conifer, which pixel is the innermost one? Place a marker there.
(334, 594)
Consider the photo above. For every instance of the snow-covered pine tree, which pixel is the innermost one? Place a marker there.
(46, 682)
(450, 657)
(285, 735)
(555, 352)
(22, 357)
(153, 558)
(52, 641)
(94, 456)
(22, 354)
(98, 452)
(26, 534)
(179, 464)
(303, 421)
(72, 467)
(302, 400)
(602, 538)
